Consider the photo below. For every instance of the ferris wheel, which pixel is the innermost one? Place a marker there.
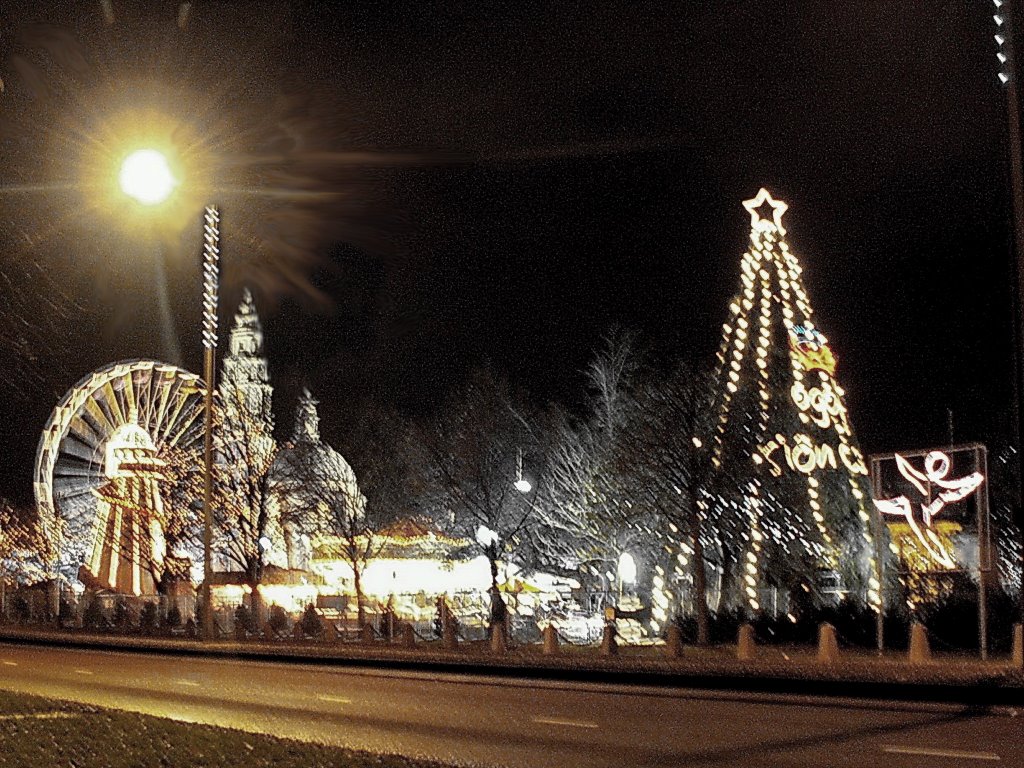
(73, 459)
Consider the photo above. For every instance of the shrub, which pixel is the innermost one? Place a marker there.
(173, 619)
(20, 608)
(67, 611)
(278, 619)
(122, 615)
(312, 624)
(148, 617)
(245, 619)
(94, 618)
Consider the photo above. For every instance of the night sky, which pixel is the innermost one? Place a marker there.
(505, 182)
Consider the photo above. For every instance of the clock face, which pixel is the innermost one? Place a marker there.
(810, 348)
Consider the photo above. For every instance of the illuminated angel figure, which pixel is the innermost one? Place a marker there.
(936, 467)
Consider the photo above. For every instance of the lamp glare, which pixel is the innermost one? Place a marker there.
(146, 177)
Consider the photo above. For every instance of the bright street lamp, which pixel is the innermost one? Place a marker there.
(146, 176)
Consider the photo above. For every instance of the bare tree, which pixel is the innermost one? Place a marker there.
(663, 445)
(589, 519)
(324, 486)
(244, 523)
(25, 550)
(471, 454)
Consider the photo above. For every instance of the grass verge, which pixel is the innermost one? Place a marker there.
(35, 731)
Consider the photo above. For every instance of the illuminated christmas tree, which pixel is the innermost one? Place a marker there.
(782, 436)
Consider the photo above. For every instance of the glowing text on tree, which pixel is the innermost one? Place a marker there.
(804, 455)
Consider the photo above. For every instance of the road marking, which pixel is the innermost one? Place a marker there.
(10, 663)
(932, 752)
(193, 683)
(334, 699)
(84, 672)
(570, 723)
(40, 716)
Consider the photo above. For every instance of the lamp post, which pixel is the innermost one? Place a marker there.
(1004, 19)
(146, 176)
(211, 269)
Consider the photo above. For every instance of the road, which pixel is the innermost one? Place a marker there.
(513, 722)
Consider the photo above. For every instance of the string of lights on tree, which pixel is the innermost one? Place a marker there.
(778, 399)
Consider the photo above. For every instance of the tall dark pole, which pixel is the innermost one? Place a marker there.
(1005, 18)
(211, 259)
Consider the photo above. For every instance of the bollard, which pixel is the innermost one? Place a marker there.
(609, 647)
(268, 632)
(366, 633)
(674, 642)
(919, 650)
(550, 640)
(498, 643)
(828, 646)
(297, 631)
(449, 639)
(1018, 646)
(745, 646)
(408, 636)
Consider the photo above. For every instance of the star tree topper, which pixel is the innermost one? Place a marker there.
(776, 207)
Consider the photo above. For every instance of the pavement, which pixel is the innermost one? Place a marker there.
(520, 722)
(773, 669)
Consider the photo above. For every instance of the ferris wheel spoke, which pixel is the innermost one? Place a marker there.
(100, 416)
(162, 403)
(156, 400)
(85, 429)
(111, 402)
(188, 431)
(76, 468)
(77, 450)
(129, 400)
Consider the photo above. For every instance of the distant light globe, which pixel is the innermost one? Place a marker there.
(146, 177)
(627, 568)
(485, 537)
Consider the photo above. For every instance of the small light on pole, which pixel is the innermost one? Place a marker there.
(627, 571)
(211, 273)
(521, 484)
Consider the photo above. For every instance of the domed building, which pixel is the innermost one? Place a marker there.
(314, 490)
(303, 489)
